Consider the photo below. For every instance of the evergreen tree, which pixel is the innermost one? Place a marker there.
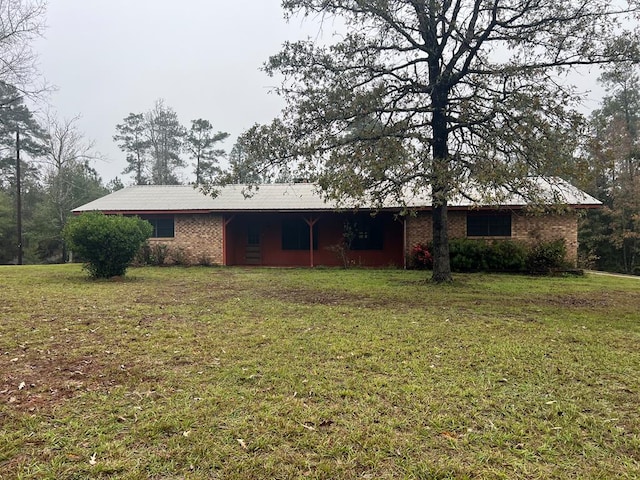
(132, 139)
(200, 142)
(16, 117)
(610, 237)
(165, 136)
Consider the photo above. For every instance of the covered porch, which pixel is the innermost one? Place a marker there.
(313, 239)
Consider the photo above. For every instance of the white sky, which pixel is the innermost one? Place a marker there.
(109, 58)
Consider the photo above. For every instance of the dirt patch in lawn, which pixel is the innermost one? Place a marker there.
(35, 382)
(304, 296)
(590, 300)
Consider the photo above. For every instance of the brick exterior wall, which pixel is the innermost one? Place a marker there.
(197, 239)
(525, 228)
(536, 229)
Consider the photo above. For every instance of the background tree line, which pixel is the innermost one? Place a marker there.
(57, 173)
(55, 159)
(155, 144)
(610, 237)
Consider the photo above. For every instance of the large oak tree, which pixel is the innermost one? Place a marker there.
(435, 95)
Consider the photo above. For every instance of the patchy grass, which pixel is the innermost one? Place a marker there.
(324, 374)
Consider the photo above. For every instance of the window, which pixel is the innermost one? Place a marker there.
(295, 235)
(366, 233)
(163, 227)
(488, 224)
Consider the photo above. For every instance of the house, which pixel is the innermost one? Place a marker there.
(292, 225)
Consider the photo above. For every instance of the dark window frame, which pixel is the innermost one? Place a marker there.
(489, 224)
(163, 227)
(295, 235)
(368, 233)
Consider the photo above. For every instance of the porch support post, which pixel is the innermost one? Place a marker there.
(225, 222)
(311, 221)
(404, 241)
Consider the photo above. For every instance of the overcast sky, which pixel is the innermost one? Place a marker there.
(109, 58)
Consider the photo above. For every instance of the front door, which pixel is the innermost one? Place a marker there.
(253, 255)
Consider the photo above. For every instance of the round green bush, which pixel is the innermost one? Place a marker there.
(107, 243)
(547, 256)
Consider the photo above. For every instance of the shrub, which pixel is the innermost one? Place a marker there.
(108, 243)
(506, 256)
(205, 261)
(155, 255)
(420, 257)
(142, 256)
(547, 256)
(341, 251)
(179, 256)
(159, 254)
(471, 255)
(468, 255)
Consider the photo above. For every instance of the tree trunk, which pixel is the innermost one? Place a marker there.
(441, 263)
(139, 170)
(198, 179)
(440, 188)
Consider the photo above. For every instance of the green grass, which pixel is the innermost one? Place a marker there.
(324, 374)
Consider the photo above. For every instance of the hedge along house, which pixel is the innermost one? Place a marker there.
(292, 225)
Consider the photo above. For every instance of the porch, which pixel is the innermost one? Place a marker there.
(313, 239)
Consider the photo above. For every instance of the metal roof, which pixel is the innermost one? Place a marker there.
(291, 197)
(298, 196)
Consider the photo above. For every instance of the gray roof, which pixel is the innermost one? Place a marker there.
(295, 197)
(278, 197)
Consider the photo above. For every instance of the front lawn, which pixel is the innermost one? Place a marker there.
(323, 374)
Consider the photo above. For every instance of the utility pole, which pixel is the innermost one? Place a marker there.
(18, 196)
